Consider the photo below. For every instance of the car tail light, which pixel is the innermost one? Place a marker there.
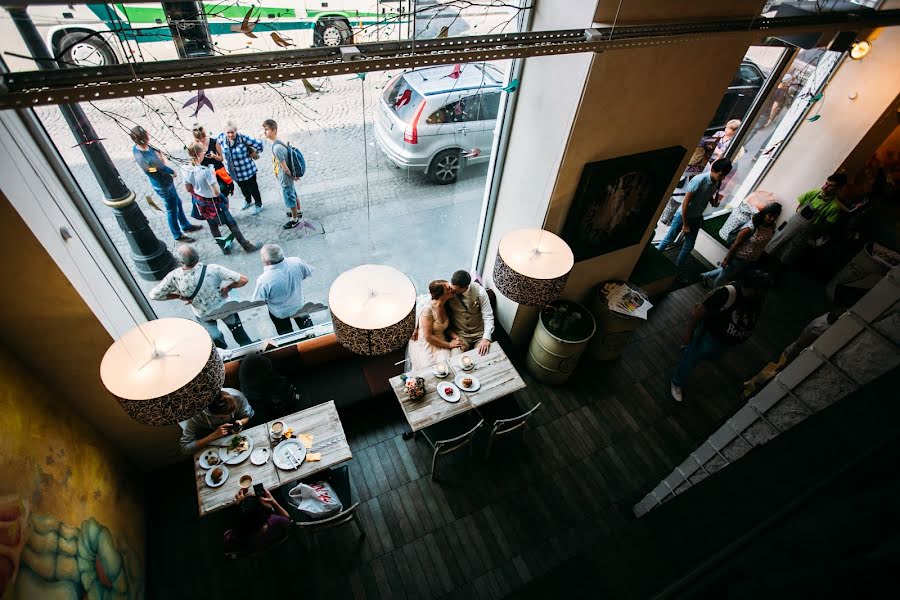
(411, 135)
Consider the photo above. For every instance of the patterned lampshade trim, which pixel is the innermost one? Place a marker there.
(525, 290)
(374, 342)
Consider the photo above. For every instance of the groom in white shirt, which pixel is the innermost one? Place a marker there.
(471, 315)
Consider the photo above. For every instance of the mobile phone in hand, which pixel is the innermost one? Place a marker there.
(259, 490)
(236, 427)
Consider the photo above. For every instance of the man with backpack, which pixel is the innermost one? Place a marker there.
(289, 166)
(726, 317)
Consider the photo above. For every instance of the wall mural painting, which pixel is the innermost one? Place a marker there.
(616, 199)
(71, 524)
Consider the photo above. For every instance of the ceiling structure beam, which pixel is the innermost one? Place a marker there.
(36, 88)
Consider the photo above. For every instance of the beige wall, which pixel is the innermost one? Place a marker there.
(64, 492)
(48, 327)
(631, 101)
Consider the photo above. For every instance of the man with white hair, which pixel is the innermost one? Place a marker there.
(205, 288)
(239, 152)
(281, 287)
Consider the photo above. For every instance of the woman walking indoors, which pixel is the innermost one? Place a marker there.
(747, 248)
(200, 182)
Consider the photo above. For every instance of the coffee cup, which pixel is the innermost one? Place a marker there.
(245, 482)
(442, 369)
(277, 430)
(467, 362)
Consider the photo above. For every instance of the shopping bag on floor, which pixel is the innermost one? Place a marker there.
(316, 501)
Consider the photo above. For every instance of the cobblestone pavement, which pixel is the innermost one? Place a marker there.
(425, 230)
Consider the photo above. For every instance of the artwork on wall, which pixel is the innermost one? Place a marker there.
(616, 199)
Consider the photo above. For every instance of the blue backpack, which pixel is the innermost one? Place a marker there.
(295, 161)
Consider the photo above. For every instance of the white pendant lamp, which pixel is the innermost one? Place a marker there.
(532, 266)
(373, 309)
(163, 371)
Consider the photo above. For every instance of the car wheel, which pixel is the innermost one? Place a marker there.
(332, 33)
(80, 49)
(444, 167)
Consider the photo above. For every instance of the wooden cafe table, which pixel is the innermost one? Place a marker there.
(496, 374)
(321, 421)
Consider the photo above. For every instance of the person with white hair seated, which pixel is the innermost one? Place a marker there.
(281, 287)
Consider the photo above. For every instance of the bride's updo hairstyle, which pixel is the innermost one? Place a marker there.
(437, 288)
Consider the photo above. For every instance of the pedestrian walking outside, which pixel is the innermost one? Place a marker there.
(703, 189)
(288, 170)
(240, 151)
(725, 318)
(748, 247)
(205, 288)
(161, 176)
(281, 287)
(209, 203)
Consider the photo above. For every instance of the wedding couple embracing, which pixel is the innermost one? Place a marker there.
(455, 316)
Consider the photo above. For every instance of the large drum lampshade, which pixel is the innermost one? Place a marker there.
(373, 308)
(163, 371)
(532, 266)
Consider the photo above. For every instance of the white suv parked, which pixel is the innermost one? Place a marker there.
(435, 118)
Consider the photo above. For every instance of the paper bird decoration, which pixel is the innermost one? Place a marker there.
(473, 153)
(200, 100)
(457, 71)
(280, 41)
(309, 225)
(814, 118)
(359, 76)
(225, 241)
(445, 31)
(89, 142)
(513, 86)
(246, 27)
(816, 98)
(153, 204)
(403, 98)
(310, 88)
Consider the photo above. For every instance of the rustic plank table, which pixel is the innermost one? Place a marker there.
(496, 374)
(320, 421)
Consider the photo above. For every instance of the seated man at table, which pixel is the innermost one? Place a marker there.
(471, 315)
(217, 420)
(261, 522)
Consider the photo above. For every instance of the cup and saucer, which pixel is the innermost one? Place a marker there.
(441, 370)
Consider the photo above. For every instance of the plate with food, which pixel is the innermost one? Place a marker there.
(289, 455)
(449, 392)
(216, 476)
(210, 458)
(237, 449)
(467, 383)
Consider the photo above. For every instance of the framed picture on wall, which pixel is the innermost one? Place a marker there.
(616, 199)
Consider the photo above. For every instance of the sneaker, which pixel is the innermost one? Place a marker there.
(256, 210)
(246, 205)
(185, 239)
(706, 281)
(290, 224)
(192, 228)
(675, 391)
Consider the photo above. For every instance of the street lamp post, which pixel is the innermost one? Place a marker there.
(151, 257)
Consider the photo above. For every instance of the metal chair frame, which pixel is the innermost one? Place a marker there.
(507, 426)
(442, 447)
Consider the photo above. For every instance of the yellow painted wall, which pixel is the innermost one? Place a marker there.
(85, 518)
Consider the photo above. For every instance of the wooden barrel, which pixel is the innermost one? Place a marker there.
(559, 341)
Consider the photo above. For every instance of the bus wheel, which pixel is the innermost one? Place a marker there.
(332, 32)
(80, 49)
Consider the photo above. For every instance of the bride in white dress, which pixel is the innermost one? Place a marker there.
(433, 339)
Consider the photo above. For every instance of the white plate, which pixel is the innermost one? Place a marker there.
(231, 458)
(465, 368)
(259, 456)
(204, 458)
(439, 376)
(475, 383)
(454, 397)
(209, 480)
(281, 458)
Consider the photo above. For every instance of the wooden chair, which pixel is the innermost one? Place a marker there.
(507, 426)
(448, 446)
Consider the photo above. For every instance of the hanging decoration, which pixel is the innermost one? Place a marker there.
(246, 27)
(512, 87)
(280, 41)
(532, 266)
(200, 100)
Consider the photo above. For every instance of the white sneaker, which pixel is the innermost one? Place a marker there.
(675, 391)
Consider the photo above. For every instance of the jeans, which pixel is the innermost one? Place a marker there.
(250, 190)
(702, 347)
(725, 274)
(689, 238)
(233, 321)
(174, 210)
(283, 326)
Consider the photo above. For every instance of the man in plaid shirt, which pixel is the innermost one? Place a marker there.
(240, 151)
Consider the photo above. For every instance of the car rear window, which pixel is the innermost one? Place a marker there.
(402, 99)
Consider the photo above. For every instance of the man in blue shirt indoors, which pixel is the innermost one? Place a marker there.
(703, 189)
(281, 287)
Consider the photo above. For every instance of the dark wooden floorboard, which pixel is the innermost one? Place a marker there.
(486, 528)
